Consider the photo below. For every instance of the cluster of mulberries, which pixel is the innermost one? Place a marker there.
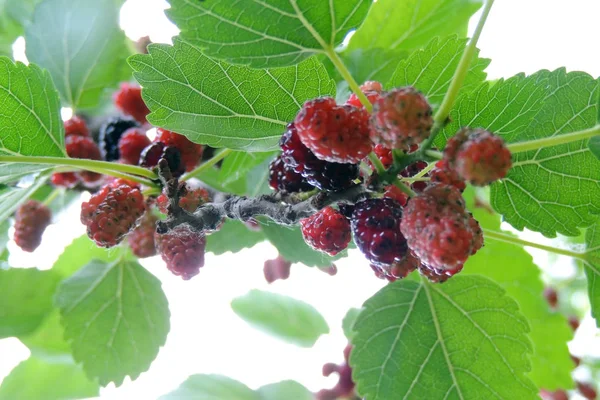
(431, 232)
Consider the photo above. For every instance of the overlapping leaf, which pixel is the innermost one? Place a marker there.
(35, 378)
(410, 24)
(223, 105)
(431, 69)
(554, 189)
(464, 339)
(591, 263)
(233, 236)
(25, 299)
(82, 46)
(292, 247)
(266, 33)
(238, 163)
(213, 387)
(551, 362)
(116, 317)
(284, 317)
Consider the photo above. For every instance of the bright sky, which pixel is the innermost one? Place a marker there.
(206, 337)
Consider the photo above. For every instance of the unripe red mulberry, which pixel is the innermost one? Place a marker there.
(334, 133)
(183, 251)
(401, 118)
(327, 231)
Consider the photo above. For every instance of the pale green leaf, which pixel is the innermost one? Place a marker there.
(47, 342)
(410, 24)
(211, 387)
(25, 299)
(348, 322)
(224, 105)
(80, 252)
(512, 267)
(431, 69)
(82, 46)
(266, 33)
(284, 390)
(291, 320)
(292, 247)
(591, 263)
(464, 339)
(238, 163)
(233, 236)
(12, 197)
(37, 379)
(116, 318)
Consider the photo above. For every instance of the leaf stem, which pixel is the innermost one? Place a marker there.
(343, 70)
(52, 196)
(520, 147)
(438, 155)
(441, 116)
(503, 237)
(90, 165)
(379, 167)
(206, 165)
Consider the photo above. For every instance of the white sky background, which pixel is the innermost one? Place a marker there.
(206, 336)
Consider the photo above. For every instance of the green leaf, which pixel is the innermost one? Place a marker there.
(591, 263)
(116, 317)
(551, 362)
(292, 247)
(464, 339)
(82, 46)
(12, 197)
(29, 117)
(348, 322)
(222, 105)
(284, 390)
(268, 33)
(431, 69)
(594, 145)
(291, 320)
(4, 226)
(367, 65)
(410, 24)
(211, 387)
(35, 379)
(233, 236)
(80, 253)
(554, 189)
(47, 342)
(25, 299)
(239, 163)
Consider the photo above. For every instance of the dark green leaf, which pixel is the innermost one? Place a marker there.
(464, 339)
(431, 69)
(116, 317)
(284, 390)
(211, 387)
(25, 299)
(233, 236)
(223, 105)
(554, 189)
(82, 46)
(291, 320)
(36, 379)
(512, 267)
(348, 322)
(410, 24)
(238, 163)
(292, 247)
(267, 33)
